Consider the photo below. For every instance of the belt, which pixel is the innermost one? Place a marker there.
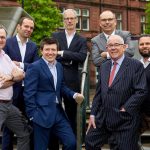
(4, 101)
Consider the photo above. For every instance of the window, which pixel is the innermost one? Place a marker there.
(83, 19)
(143, 24)
(119, 21)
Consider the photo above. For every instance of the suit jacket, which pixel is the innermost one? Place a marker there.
(40, 93)
(13, 51)
(146, 103)
(99, 45)
(128, 90)
(72, 57)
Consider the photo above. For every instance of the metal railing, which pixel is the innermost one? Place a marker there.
(81, 108)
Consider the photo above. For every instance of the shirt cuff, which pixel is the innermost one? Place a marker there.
(61, 53)
(75, 95)
(108, 56)
(22, 65)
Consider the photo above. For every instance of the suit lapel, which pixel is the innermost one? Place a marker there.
(106, 74)
(120, 71)
(74, 40)
(17, 49)
(102, 41)
(47, 72)
(64, 40)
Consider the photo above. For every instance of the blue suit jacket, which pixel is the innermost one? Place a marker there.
(40, 93)
(128, 90)
(13, 51)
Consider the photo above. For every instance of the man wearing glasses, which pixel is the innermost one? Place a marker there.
(116, 106)
(108, 24)
(73, 49)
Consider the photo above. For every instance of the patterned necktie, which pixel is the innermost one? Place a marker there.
(112, 73)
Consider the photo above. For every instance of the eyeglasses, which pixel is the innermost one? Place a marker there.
(116, 45)
(71, 18)
(109, 19)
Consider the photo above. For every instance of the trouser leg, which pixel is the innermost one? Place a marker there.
(17, 123)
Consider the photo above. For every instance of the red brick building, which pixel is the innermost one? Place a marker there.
(130, 16)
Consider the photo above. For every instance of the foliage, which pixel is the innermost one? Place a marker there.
(147, 31)
(46, 15)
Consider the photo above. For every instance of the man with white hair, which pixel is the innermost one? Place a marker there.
(116, 105)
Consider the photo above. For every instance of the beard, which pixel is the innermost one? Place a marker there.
(145, 55)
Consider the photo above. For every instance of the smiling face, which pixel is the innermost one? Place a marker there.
(25, 29)
(144, 46)
(49, 52)
(70, 19)
(115, 47)
(107, 22)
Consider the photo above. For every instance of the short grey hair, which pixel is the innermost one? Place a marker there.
(72, 10)
(119, 38)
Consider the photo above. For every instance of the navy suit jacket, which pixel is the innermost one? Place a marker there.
(128, 90)
(72, 57)
(40, 93)
(146, 103)
(13, 51)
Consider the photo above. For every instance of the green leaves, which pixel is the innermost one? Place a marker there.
(47, 17)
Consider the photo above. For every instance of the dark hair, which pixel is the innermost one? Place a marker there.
(23, 18)
(3, 27)
(48, 40)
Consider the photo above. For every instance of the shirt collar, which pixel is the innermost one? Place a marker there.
(49, 64)
(18, 39)
(106, 35)
(71, 34)
(119, 61)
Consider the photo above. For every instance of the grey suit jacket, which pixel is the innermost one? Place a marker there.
(99, 46)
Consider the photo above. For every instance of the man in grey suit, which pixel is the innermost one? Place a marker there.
(108, 25)
(116, 106)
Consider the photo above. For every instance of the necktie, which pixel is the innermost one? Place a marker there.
(112, 73)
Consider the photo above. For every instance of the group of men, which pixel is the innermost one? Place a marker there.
(37, 86)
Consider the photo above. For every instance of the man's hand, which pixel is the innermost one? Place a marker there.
(17, 63)
(91, 123)
(104, 54)
(17, 74)
(60, 53)
(79, 98)
(4, 78)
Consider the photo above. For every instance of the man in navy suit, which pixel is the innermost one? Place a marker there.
(73, 49)
(44, 88)
(116, 105)
(23, 52)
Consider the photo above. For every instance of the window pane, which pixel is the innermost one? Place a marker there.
(85, 12)
(85, 23)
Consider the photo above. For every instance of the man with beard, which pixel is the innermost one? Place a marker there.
(144, 50)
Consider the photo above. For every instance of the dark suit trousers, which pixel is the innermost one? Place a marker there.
(126, 139)
(61, 129)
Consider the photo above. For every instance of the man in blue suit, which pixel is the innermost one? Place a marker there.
(23, 52)
(44, 88)
(116, 107)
